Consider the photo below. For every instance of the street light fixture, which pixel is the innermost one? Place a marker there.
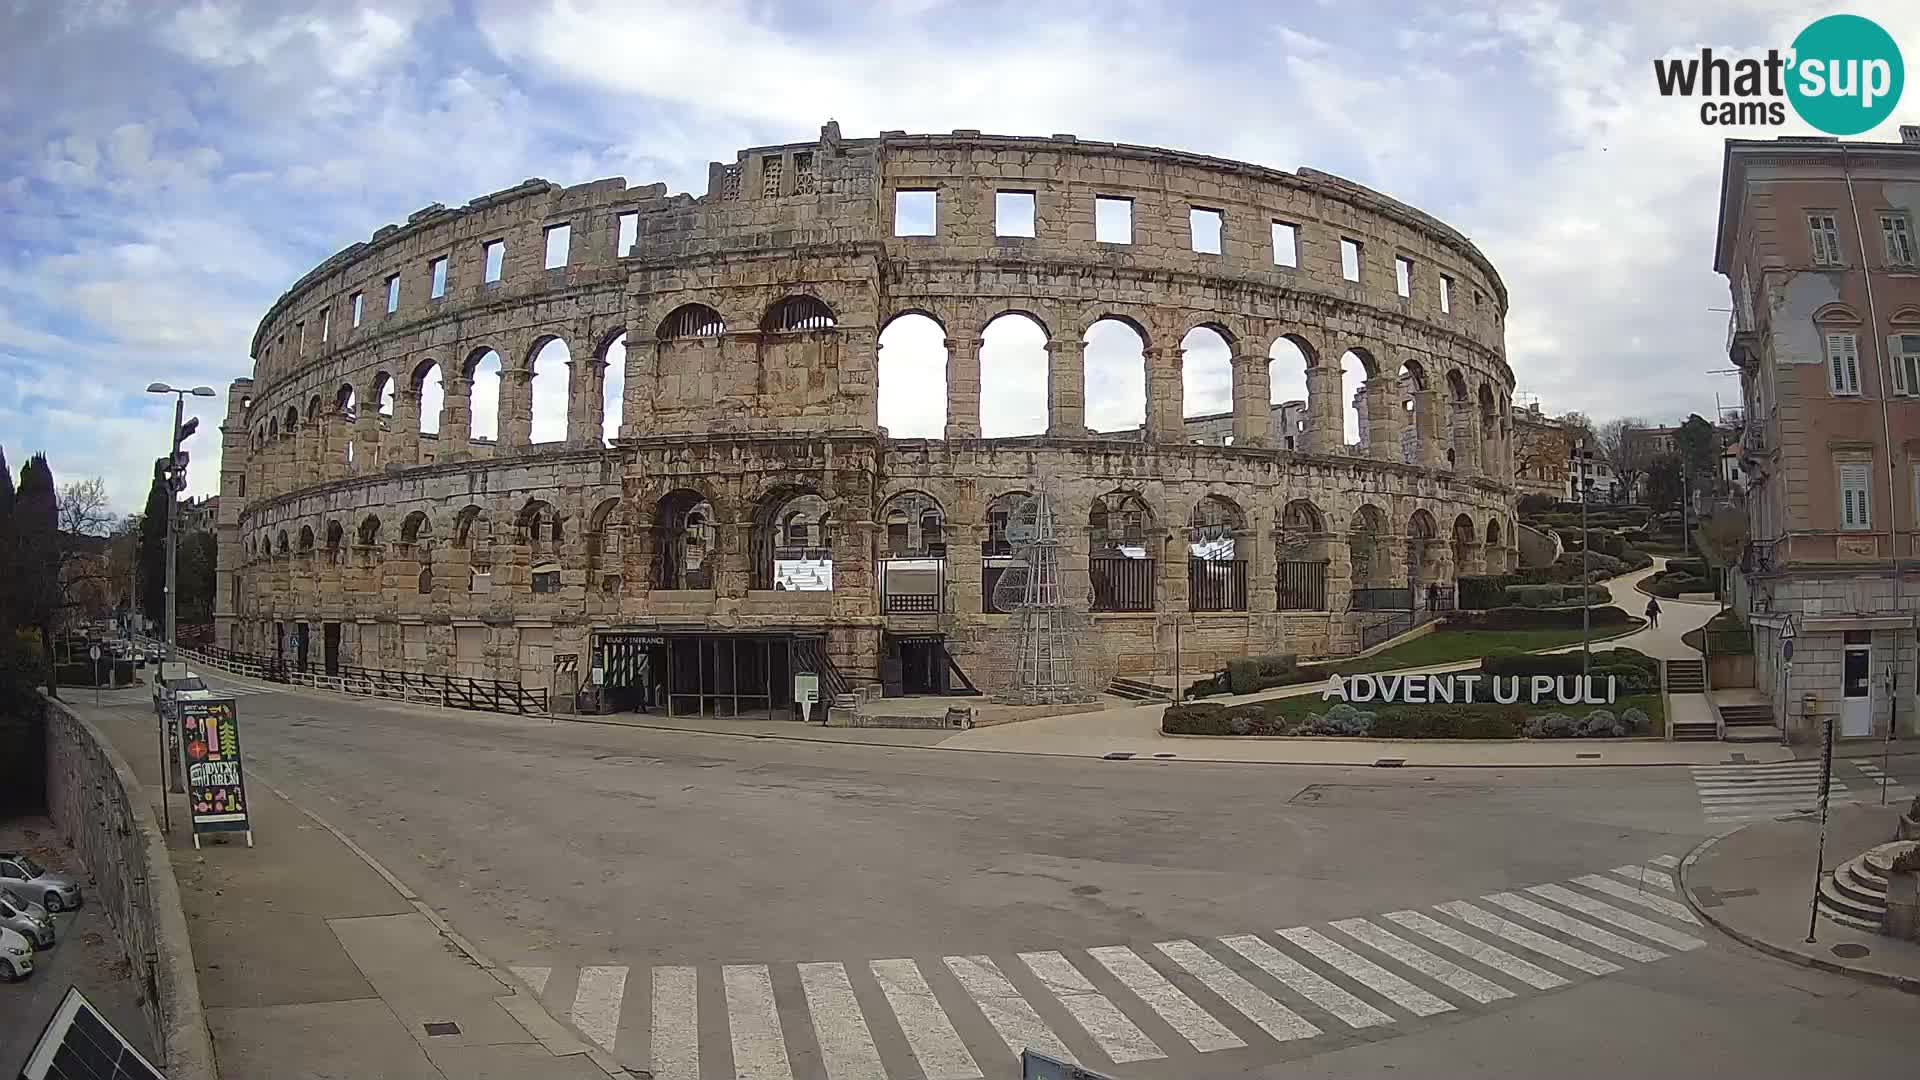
(180, 432)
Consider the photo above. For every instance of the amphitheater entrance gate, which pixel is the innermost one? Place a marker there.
(692, 673)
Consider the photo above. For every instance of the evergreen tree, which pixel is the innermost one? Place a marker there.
(153, 547)
(36, 578)
(195, 577)
(8, 614)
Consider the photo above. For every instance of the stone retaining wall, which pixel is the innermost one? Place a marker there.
(99, 808)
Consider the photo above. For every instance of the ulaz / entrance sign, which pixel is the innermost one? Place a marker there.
(1465, 688)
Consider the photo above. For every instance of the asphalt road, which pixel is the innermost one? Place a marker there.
(574, 851)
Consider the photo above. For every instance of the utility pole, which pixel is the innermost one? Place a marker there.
(175, 476)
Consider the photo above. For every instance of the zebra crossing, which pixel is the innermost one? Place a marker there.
(1730, 794)
(969, 1017)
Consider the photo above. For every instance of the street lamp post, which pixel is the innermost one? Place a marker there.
(174, 477)
(1583, 484)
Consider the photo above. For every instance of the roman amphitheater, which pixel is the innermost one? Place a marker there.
(722, 505)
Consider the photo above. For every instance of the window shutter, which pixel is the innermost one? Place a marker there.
(1818, 236)
(1916, 494)
(1855, 495)
(1899, 365)
(1836, 380)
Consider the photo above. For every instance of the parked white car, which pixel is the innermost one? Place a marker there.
(16, 956)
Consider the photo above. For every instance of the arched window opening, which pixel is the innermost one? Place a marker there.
(1122, 569)
(613, 390)
(416, 529)
(483, 402)
(551, 372)
(692, 321)
(1216, 578)
(280, 543)
(347, 403)
(683, 539)
(913, 576)
(1465, 543)
(1206, 374)
(796, 313)
(1496, 551)
(1013, 377)
(793, 542)
(997, 551)
(306, 539)
(1115, 379)
(335, 538)
(383, 393)
(433, 397)
(425, 586)
(1413, 380)
(913, 378)
(1366, 548)
(1300, 549)
(1422, 549)
(1287, 393)
(293, 418)
(1355, 370)
(370, 531)
(1457, 419)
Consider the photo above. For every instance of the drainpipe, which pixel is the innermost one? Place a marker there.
(1886, 437)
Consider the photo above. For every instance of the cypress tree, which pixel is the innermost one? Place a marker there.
(36, 578)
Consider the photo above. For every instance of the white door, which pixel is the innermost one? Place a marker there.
(1856, 689)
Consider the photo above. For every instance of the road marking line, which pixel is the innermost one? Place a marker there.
(1016, 1021)
(676, 1024)
(1366, 972)
(1474, 949)
(1119, 1038)
(1668, 861)
(596, 1004)
(1422, 961)
(846, 1046)
(1646, 876)
(1651, 901)
(1181, 1013)
(535, 978)
(759, 1046)
(930, 1035)
(1514, 933)
(1567, 924)
(1274, 1018)
(1625, 920)
(1809, 765)
(1306, 982)
(1763, 791)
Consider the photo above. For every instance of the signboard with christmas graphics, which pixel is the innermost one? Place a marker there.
(216, 790)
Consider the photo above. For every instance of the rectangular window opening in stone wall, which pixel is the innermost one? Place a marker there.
(559, 239)
(629, 233)
(1286, 244)
(1403, 276)
(358, 303)
(915, 212)
(494, 252)
(1112, 219)
(772, 170)
(326, 324)
(393, 294)
(1350, 258)
(1207, 227)
(1013, 213)
(437, 272)
(1446, 295)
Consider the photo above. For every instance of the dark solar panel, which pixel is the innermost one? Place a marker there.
(79, 1044)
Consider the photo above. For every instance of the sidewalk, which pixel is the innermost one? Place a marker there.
(1756, 884)
(314, 962)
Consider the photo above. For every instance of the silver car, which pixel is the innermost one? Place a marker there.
(22, 875)
(31, 921)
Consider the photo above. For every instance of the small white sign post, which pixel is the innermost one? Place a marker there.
(806, 693)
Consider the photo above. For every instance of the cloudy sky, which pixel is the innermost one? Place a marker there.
(167, 169)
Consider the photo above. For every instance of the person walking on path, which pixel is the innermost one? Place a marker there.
(1653, 611)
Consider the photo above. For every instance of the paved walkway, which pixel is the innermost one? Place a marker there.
(315, 962)
(1756, 884)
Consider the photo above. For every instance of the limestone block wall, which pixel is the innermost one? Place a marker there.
(750, 319)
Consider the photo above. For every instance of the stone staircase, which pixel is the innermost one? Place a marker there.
(1686, 676)
(1855, 894)
(1139, 690)
(1749, 723)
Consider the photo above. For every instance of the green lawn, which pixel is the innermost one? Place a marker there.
(1451, 646)
(1297, 708)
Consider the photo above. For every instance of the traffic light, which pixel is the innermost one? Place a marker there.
(176, 467)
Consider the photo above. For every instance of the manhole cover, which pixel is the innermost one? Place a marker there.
(1389, 762)
(1118, 755)
(1586, 755)
(1163, 755)
(442, 1027)
(1850, 951)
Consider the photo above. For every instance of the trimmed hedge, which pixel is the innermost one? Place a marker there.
(1512, 618)
(1477, 592)
(1400, 722)
(1250, 674)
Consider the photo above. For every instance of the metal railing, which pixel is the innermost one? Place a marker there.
(1122, 584)
(1302, 586)
(1388, 599)
(1441, 598)
(1216, 584)
(912, 586)
(1390, 627)
(451, 691)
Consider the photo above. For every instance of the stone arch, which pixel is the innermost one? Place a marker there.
(684, 531)
(1114, 375)
(1213, 525)
(791, 544)
(1124, 546)
(1366, 547)
(914, 526)
(416, 528)
(798, 313)
(1496, 550)
(1206, 371)
(369, 531)
(1421, 526)
(606, 544)
(924, 312)
(427, 383)
(691, 321)
(273, 427)
(613, 385)
(999, 510)
(346, 401)
(912, 375)
(306, 539)
(538, 526)
(1465, 543)
(550, 373)
(484, 371)
(1013, 374)
(472, 528)
(1423, 548)
(280, 542)
(336, 539)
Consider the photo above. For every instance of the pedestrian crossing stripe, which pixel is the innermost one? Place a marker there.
(1420, 964)
(1736, 793)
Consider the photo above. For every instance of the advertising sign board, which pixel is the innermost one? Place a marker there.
(216, 790)
(806, 693)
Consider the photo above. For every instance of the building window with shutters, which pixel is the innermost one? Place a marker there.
(1903, 351)
(1843, 364)
(1824, 232)
(1898, 233)
(1856, 495)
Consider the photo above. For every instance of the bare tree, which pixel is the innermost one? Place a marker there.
(1622, 447)
(84, 508)
(85, 519)
(1724, 536)
(1578, 427)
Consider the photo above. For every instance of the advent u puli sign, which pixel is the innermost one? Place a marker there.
(1468, 688)
(216, 791)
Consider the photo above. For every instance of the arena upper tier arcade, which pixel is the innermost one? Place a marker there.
(753, 517)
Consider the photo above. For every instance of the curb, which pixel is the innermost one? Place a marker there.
(567, 1045)
(1907, 983)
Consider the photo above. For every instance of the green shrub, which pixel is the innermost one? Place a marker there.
(1208, 686)
(1628, 678)
(1620, 656)
(1534, 504)
(1245, 674)
(1475, 592)
(1532, 595)
(1515, 662)
(1695, 567)
(1606, 618)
